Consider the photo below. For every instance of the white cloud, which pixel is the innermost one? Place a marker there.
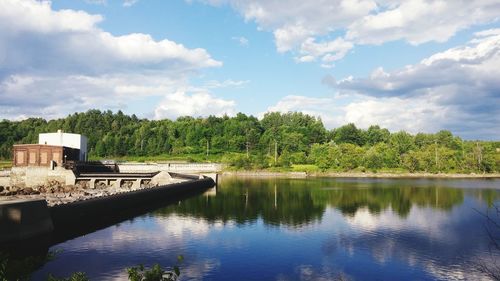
(328, 51)
(393, 113)
(21, 16)
(55, 96)
(413, 115)
(57, 62)
(457, 89)
(420, 21)
(201, 103)
(329, 109)
(129, 3)
(417, 221)
(241, 40)
(306, 58)
(97, 2)
(214, 84)
(297, 22)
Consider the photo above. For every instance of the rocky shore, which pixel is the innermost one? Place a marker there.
(55, 193)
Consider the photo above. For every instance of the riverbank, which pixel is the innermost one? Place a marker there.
(289, 174)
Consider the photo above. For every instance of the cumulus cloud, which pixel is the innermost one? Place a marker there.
(55, 62)
(35, 36)
(457, 89)
(327, 109)
(472, 65)
(420, 21)
(295, 24)
(200, 103)
(328, 51)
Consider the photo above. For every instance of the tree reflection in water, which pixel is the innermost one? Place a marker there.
(300, 201)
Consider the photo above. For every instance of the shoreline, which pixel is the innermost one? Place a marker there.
(287, 174)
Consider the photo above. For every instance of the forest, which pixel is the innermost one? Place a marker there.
(277, 140)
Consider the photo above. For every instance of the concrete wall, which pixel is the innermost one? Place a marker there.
(65, 139)
(4, 181)
(36, 176)
(5, 178)
(170, 167)
(23, 219)
(94, 209)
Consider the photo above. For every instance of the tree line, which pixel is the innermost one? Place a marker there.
(279, 139)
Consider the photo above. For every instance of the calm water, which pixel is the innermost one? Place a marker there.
(301, 229)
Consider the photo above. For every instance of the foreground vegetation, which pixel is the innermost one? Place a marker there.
(278, 140)
(21, 269)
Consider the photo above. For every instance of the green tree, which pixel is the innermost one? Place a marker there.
(349, 134)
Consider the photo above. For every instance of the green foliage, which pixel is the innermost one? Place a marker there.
(3, 267)
(402, 142)
(155, 273)
(285, 159)
(349, 134)
(375, 135)
(308, 168)
(320, 156)
(260, 162)
(244, 142)
(238, 161)
(12, 268)
(77, 276)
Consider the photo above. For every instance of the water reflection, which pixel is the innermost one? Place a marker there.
(299, 202)
(301, 229)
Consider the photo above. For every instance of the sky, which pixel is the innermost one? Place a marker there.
(414, 65)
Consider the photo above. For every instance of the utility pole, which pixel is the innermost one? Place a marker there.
(248, 155)
(275, 152)
(436, 154)
(207, 148)
(479, 156)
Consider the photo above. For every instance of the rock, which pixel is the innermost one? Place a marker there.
(25, 191)
(101, 185)
(83, 184)
(2, 188)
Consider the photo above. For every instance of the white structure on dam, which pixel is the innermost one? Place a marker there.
(65, 139)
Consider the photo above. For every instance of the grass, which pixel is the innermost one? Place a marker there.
(5, 164)
(308, 168)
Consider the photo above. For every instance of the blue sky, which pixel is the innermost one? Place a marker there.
(416, 65)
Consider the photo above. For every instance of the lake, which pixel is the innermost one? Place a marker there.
(302, 229)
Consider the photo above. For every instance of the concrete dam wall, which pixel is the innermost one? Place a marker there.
(26, 219)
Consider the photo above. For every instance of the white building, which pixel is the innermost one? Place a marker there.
(64, 139)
